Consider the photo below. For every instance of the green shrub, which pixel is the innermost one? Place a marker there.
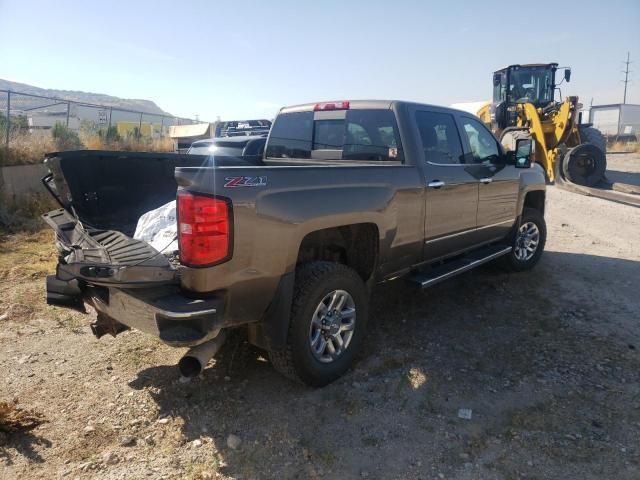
(65, 138)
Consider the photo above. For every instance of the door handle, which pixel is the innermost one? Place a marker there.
(486, 180)
(435, 184)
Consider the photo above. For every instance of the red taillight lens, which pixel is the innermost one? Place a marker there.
(344, 105)
(204, 229)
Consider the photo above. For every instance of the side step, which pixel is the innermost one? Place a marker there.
(452, 268)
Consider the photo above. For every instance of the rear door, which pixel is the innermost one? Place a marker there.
(498, 182)
(452, 192)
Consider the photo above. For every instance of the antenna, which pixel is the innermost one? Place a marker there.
(626, 72)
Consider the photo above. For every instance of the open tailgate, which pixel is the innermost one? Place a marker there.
(106, 257)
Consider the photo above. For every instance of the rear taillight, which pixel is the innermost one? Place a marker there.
(204, 229)
(344, 105)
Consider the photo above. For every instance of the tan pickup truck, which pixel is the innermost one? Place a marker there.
(288, 242)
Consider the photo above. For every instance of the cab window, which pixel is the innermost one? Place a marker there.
(484, 147)
(440, 138)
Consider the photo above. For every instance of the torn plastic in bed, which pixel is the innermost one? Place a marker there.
(159, 228)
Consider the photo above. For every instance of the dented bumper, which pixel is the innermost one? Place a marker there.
(164, 312)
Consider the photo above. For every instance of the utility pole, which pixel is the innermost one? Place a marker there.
(626, 72)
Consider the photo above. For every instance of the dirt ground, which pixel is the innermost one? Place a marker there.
(547, 362)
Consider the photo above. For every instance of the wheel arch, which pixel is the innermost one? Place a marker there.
(354, 245)
(534, 199)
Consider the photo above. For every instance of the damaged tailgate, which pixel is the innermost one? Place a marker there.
(106, 257)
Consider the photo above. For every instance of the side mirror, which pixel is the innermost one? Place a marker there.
(524, 153)
(567, 75)
(497, 78)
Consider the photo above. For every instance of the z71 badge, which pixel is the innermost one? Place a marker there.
(245, 181)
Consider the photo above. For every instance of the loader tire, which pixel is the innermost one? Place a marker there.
(585, 165)
(594, 137)
(318, 285)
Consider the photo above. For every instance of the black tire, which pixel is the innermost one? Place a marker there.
(313, 282)
(584, 165)
(510, 261)
(594, 137)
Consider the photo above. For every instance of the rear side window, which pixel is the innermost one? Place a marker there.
(370, 135)
(291, 136)
(440, 138)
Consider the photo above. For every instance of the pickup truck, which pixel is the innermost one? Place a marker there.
(346, 195)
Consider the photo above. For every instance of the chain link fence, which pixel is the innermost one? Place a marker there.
(31, 124)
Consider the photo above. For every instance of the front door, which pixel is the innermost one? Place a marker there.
(452, 192)
(498, 182)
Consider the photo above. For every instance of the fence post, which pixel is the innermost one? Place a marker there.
(6, 146)
(140, 126)
(110, 114)
(8, 120)
(68, 111)
(162, 127)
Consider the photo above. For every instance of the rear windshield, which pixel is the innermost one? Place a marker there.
(370, 135)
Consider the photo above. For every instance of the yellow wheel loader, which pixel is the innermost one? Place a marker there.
(524, 105)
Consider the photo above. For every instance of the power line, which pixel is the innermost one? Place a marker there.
(626, 72)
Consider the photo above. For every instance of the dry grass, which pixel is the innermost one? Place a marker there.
(26, 149)
(29, 148)
(27, 255)
(23, 214)
(15, 419)
(623, 147)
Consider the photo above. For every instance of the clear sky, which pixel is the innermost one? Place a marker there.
(245, 59)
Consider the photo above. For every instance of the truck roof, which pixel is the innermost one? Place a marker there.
(362, 105)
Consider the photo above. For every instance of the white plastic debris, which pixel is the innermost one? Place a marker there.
(465, 413)
(159, 228)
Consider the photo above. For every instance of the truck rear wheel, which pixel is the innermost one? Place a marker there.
(327, 324)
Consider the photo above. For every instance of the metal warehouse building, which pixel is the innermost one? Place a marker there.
(617, 121)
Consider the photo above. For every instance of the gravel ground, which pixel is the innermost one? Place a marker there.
(624, 168)
(544, 366)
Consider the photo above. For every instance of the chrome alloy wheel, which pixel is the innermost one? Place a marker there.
(332, 326)
(527, 241)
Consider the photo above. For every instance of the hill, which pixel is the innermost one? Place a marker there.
(146, 106)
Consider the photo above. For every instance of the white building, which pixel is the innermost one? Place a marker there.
(617, 120)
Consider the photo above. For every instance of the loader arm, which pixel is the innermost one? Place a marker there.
(544, 155)
(559, 129)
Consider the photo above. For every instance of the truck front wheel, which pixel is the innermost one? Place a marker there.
(527, 241)
(327, 324)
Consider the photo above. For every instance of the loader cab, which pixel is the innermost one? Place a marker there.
(519, 84)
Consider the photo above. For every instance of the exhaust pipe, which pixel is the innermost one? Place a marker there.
(196, 359)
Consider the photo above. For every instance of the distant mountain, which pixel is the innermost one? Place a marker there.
(146, 106)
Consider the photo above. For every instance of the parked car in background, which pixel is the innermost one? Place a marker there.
(184, 135)
(245, 149)
(234, 128)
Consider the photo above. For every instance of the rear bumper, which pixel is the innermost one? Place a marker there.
(165, 312)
